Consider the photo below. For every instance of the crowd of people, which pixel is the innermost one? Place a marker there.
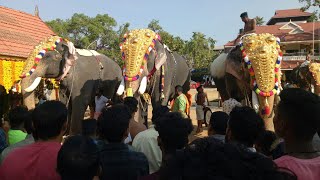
(116, 147)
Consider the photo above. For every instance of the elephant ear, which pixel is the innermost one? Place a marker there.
(161, 55)
(233, 63)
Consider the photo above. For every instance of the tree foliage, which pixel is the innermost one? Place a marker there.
(259, 21)
(102, 34)
(307, 4)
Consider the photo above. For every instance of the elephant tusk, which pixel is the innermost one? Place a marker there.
(34, 85)
(143, 85)
(255, 102)
(121, 88)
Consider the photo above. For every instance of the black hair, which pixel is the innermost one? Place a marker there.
(219, 122)
(17, 117)
(300, 110)
(245, 125)
(179, 88)
(113, 123)
(199, 87)
(131, 103)
(173, 131)
(265, 142)
(78, 158)
(158, 111)
(49, 119)
(208, 158)
(244, 14)
(89, 127)
(28, 123)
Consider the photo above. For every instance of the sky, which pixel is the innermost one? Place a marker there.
(218, 19)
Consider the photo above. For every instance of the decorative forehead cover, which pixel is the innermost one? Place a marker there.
(37, 54)
(315, 70)
(135, 47)
(263, 50)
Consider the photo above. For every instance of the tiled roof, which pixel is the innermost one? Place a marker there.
(290, 13)
(20, 32)
(284, 35)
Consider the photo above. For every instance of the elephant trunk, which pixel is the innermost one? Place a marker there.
(28, 97)
(266, 109)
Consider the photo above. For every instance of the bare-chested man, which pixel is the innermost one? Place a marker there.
(200, 99)
(249, 26)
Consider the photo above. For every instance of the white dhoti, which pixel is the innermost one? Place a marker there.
(199, 112)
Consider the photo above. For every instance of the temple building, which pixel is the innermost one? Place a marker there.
(298, 36)
(19, 33)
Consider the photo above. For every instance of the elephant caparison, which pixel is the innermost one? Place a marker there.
(151, 69)
(307, 76)
(250, 73)
(86, 76)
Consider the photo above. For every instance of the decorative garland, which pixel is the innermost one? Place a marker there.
(40, 55)
(252, 74)
(145, 58)
(9, 72)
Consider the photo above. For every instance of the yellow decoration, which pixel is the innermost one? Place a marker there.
(315, 70)
(262, 52)
(9, 73)
(135, 48)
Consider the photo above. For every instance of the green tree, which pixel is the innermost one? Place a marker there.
(154, 26)
(307, 4)
(259, 20)
(199, 51)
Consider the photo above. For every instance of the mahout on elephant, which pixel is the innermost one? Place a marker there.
(250, 73)
(151, 70)
(307, 76)
(90, 72)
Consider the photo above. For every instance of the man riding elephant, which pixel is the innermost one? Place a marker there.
(249, 26)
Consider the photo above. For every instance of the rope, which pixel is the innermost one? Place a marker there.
(74, 67)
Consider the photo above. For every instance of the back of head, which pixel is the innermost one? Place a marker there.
(49, 120)
(265, 142)
(299, 110)
(89, 127)
(245, 125)
(173, 131)
(17, 117)
(219, 121)
(208, 158)
(179, 88)
(131, 103)
(113, 123)
(78, 158)
(158, 112)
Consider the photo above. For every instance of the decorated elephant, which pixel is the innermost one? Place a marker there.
(151, 70)
(250, 73)
(307, 76)
(77, 90)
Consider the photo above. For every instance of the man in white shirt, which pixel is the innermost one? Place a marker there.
(100, 102)
(147, 143)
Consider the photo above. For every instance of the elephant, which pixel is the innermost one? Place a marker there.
(151, 70)
(306, 76)
(250, 73)
(77, 90)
